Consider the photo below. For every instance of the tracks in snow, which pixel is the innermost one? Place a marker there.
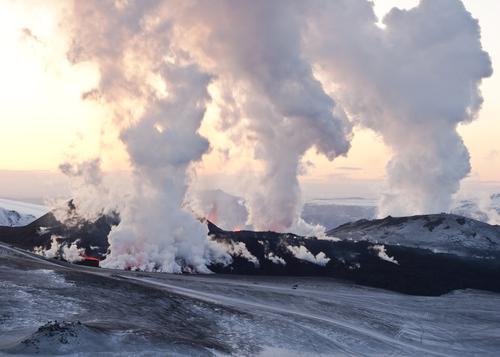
(253, 306)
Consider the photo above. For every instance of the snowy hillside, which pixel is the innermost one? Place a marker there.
(16, 214)
(11, 218)
(111, 313)
(446, 233)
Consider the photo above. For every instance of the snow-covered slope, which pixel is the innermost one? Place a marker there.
(12, 218)
(447, 233)
(16, 214)
(50, 308)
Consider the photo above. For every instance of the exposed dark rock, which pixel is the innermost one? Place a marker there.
(90, 235)
(414, 270)
(418, 271)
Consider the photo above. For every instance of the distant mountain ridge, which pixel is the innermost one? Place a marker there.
(16, 213)
(11, 218)
(446, 233)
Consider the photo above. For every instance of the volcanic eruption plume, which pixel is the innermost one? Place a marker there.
(413, 81)
(158, 98)
(294, 73)
(256, 48)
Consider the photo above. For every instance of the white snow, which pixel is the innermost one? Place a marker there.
(24, 207)
(438, 232)
(16, 213)
(11, 218)
(275, 316)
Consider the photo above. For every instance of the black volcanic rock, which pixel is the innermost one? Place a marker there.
(400, 267)
(417, 271)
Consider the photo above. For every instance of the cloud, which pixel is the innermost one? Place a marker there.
(413, 82)
(270, 63)
(349, 168)
(27, 34)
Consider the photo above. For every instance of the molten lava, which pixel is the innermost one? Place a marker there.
(212, 215)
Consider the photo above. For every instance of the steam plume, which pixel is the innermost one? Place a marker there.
(158, 98)
(256, 47)
(413, 82)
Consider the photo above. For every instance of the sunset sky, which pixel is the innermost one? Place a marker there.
(44, 121)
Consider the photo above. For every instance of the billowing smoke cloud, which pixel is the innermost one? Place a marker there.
(413, 82)
(225, 210)
(157, 98)
(482, 207)
(302, 253)
(256, 48)
(69, 252)
(90, 197)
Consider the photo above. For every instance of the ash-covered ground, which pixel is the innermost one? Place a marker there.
(54, 308)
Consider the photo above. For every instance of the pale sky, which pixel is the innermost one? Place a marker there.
(43, 120)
